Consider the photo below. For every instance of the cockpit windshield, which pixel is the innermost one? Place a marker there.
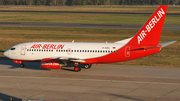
(13, 48)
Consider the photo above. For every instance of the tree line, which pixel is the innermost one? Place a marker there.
(89, 2)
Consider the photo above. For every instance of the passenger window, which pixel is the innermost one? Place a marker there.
(74, 50)
(77, 50)
(82, 50)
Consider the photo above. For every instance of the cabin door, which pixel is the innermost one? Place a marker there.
(23, 49)
(127, 51)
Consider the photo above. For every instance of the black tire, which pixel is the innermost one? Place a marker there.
(87, 66)
(22, 65)
(77, 68)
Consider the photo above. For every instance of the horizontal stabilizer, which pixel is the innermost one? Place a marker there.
(166, 43)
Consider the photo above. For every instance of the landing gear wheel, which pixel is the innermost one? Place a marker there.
(87, 66)
(77, 68)
(22, 65)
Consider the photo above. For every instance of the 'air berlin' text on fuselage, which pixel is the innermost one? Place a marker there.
(150, 25)
(47, 46)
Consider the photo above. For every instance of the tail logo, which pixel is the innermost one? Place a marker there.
(150, 25)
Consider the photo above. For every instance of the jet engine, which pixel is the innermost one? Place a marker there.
(50, 63)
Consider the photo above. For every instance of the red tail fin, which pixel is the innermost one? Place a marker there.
(150, 33)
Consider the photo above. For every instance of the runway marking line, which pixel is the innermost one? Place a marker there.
(89, 80)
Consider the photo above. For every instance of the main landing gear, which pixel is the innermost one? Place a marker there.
(87, 66)
(77, 68)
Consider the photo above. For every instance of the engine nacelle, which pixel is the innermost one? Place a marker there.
(50, 63)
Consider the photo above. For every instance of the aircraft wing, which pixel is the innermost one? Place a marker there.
(166, 43)
(73, 59)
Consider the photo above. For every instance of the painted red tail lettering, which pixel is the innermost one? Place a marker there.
(150, 32)
(150, 25)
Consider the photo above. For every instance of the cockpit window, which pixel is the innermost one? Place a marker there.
(13, 48)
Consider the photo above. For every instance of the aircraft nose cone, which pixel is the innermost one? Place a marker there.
(5, 54)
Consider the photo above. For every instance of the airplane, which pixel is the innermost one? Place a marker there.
(55, 55)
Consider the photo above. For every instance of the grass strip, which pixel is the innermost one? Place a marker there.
(82, 18)
(94, 8)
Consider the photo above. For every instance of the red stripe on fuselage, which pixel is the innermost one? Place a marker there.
(120, 55)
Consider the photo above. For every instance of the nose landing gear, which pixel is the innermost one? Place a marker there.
(22, 65)
(20, 62)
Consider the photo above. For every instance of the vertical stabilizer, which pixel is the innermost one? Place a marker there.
(150, 32)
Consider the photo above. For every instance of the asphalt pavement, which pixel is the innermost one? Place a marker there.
(82, 12)
(81, 25)
(104, 82)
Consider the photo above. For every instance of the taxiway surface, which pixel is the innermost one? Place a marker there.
(82, 12)
(99, 83)
(81, 25)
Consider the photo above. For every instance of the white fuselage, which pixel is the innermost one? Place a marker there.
(41, 50)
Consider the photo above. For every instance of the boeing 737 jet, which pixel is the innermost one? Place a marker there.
(54, 55)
